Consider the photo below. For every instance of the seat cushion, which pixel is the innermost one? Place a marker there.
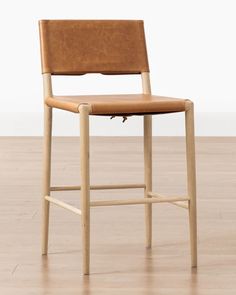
(119, 104)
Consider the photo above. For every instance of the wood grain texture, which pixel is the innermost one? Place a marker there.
(47, 142)
(147, 148)
(85, 184)
(191, 180)
(121, 264)
(63, 205)
(98, 187)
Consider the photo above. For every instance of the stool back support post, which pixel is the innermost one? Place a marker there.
(46, 162)
(191, 180)
(85, 185)
(147, 133)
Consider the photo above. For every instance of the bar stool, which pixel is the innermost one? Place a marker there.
(113, 47)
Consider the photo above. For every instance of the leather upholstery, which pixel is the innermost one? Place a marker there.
(72, 47)
(119, 104)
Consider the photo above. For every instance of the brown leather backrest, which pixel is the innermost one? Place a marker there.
(73, 47)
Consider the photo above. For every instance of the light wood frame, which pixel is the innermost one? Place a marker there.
(186, 202)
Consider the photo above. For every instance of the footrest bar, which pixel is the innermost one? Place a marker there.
(98, 187)
(137, 201)
(63, 205)
(182, 204)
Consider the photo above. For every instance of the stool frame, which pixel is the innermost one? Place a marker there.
(187, 202)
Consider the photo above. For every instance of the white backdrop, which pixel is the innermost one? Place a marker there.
(192, 54)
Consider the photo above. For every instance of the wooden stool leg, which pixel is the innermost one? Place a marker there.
(148, 176)
(46, 175)
(191, 176)
(85, 190)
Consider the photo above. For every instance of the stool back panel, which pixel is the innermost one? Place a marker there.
(74, 47)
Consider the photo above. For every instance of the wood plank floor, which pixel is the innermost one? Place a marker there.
(120, 264)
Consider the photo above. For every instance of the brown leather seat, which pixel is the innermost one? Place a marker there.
(75, 47)
(119, 104)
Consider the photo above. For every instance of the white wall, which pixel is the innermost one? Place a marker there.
(192, 54)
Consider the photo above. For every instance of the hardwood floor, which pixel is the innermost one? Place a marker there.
(120, 264)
